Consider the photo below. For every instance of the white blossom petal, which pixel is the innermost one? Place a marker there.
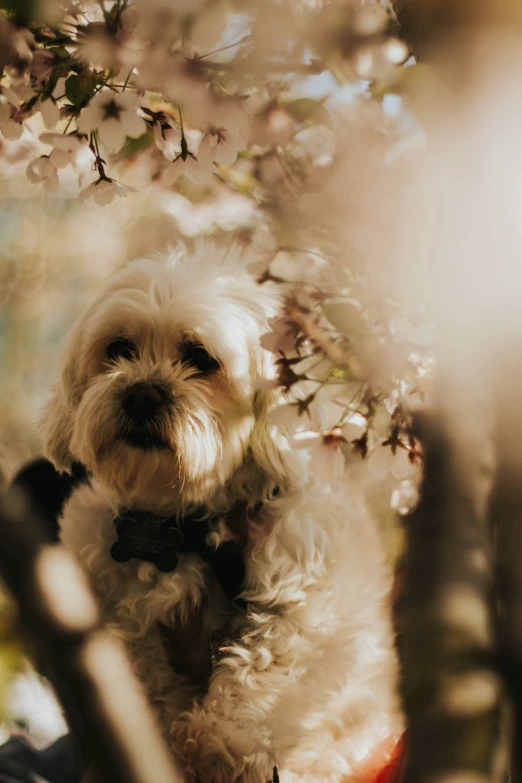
(198, 173)
(51, 183)
(401, 466)
(12, 130)
(86, 193)
(60, 158)
(50, 113)
(105, 193)
(173, 171)
(168, 139)
(42, 171)
(134, 125)
(354, 427)
(89, 118)
(112, 135)
(306, 440)
(380, 461)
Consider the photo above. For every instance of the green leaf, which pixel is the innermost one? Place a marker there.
(308, 109)
(339, 373)
(347, 319)
(60, 51)
(73, 90)
(79, 88)
(134, 146)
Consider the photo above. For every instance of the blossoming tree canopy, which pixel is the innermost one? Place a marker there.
(287, 105)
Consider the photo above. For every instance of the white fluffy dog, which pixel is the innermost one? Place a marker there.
(161, 399)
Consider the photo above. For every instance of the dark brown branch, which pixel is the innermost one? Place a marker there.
(450, 686)
(506, 518)
(104, 703)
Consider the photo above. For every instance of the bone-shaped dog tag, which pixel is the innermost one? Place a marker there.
(156, 544)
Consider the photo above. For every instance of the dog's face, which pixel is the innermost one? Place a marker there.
(159, 395)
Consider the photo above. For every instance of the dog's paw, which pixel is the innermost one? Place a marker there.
(203, 753)
(209, 756)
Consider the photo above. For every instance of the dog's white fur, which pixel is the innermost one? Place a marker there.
(309, 684)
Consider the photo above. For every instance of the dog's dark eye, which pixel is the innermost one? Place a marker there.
(121, 349)
(199, 358)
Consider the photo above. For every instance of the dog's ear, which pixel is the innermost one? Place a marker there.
(57, 420)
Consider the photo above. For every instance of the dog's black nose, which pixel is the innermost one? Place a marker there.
(143, 400)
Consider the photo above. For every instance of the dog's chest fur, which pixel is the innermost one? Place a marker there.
(315, 641)
(142, 605)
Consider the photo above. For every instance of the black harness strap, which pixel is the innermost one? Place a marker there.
(140, 534)
(144, 536)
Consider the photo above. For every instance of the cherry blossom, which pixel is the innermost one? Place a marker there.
(104, 191)
(188, 165)
(42, 170)
(220, 146)
(114, 116)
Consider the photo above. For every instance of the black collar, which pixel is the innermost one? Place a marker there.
(145, 536)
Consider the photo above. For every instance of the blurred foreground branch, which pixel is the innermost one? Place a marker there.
(506, 517)
(103, 701)
(452, 692)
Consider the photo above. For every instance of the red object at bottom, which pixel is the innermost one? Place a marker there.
(393, 771)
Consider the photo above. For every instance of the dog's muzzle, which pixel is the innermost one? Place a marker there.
(143, 401)
(143, 405)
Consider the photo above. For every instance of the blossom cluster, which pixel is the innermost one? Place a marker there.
(258, 97)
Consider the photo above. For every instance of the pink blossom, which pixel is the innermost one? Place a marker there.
(104, 191)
